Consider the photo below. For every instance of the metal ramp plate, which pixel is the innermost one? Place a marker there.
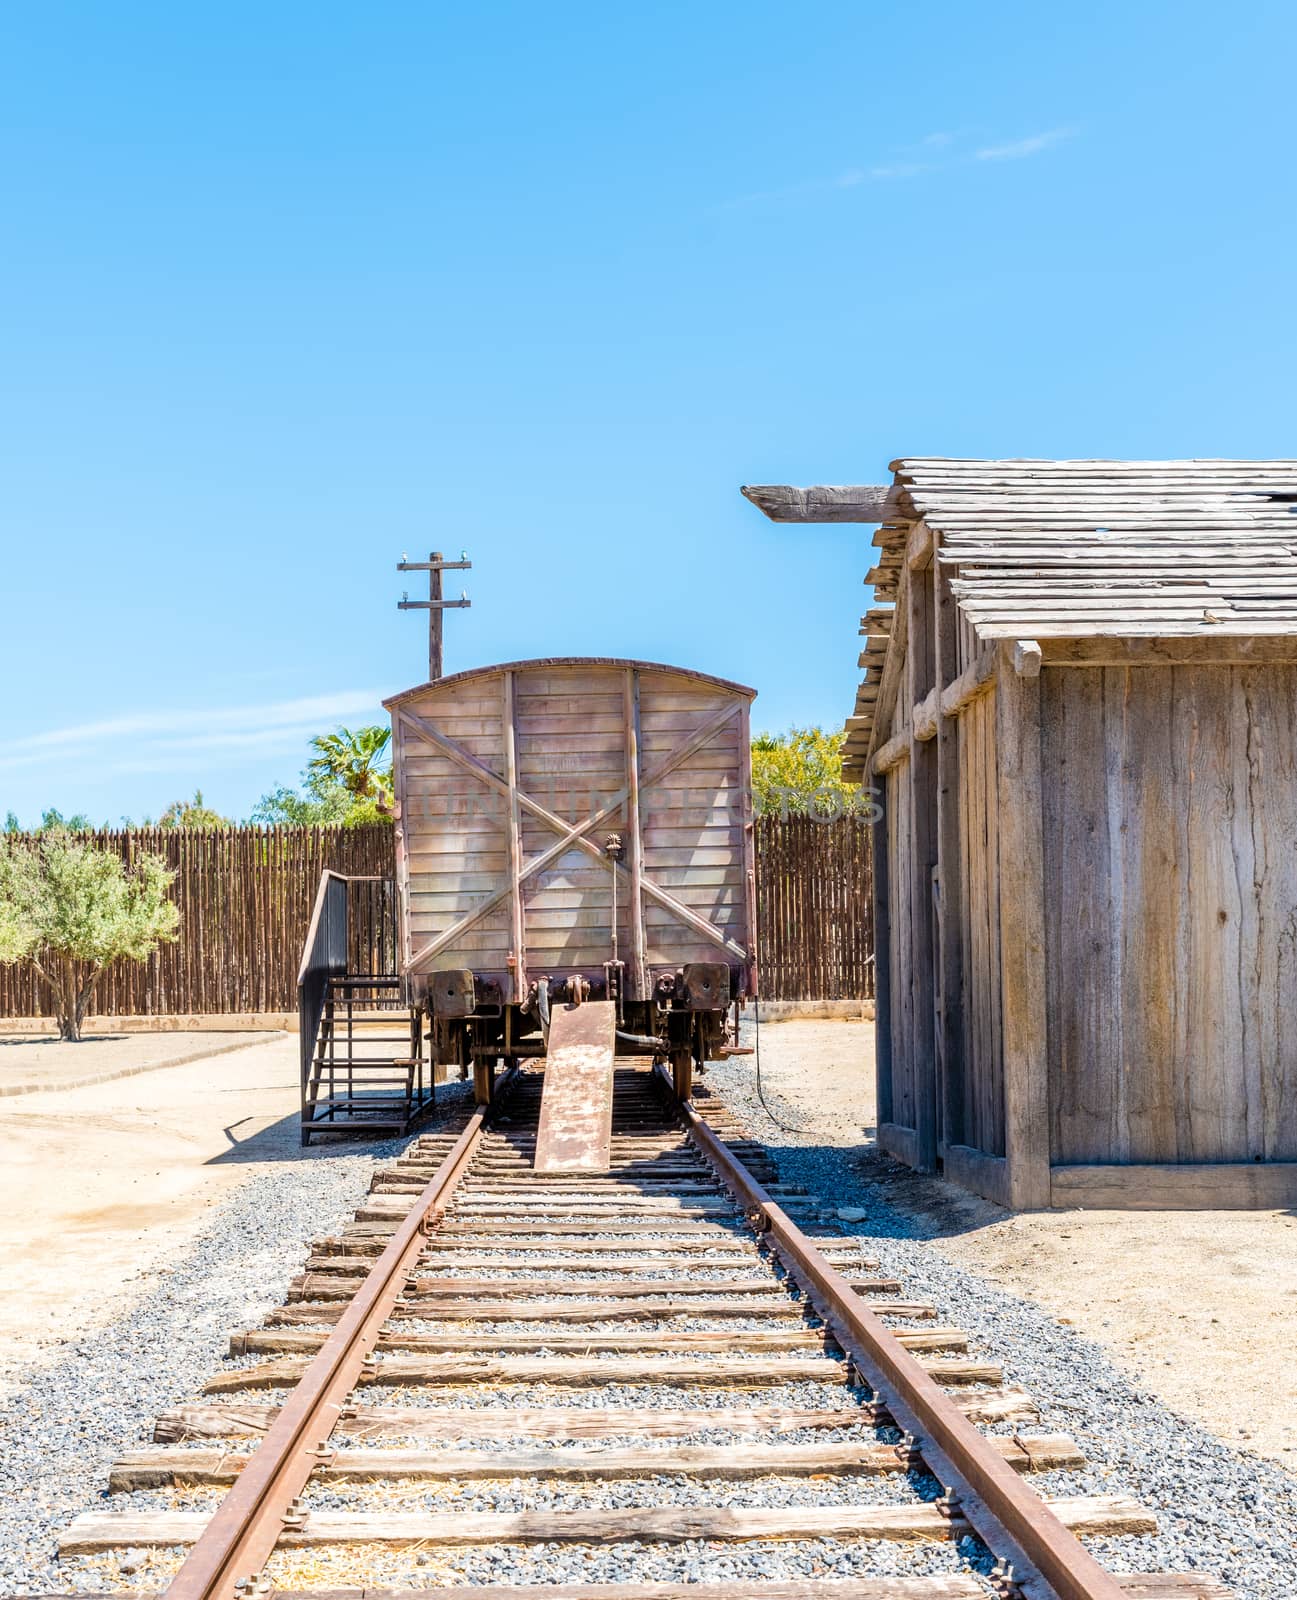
(575, 1133)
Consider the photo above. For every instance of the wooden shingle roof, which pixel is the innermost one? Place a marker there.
(1064, 549)
(1081, 549)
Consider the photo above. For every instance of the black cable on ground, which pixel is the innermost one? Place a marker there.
(761, 1095)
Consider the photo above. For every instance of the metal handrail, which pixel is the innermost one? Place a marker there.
(313, 927)
(324, 957)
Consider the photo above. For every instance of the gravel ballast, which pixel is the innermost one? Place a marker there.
(1219, 1510)
(60, 1434)
(694, 1561)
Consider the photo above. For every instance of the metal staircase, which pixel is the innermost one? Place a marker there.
(363, 1069)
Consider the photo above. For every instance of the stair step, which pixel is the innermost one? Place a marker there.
(363, 1064)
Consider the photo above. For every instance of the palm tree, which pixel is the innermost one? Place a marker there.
(354, 760)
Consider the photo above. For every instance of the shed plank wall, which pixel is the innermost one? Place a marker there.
(968, 646)
(1169, 802)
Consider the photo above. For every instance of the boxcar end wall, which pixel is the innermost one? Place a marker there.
(511, 780)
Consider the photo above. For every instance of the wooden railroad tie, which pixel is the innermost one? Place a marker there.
(1088, 1514)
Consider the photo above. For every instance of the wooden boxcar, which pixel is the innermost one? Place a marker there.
(569, 826)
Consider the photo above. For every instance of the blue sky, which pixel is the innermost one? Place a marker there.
(289, 290)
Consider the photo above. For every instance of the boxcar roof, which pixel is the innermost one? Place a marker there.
(570, 661)
(1089, 549)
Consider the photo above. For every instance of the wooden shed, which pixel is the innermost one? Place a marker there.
(1080, 705)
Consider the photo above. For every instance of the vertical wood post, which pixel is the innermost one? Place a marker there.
(483, 1081)
(882, 963)
(747, 823)
(637, 966)
(923, 837)
(401, 851)
(513, 835)
(434, 617)
(682, 1072)
(1022, 936)
(950, 954)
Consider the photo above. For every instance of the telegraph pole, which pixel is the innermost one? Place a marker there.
(434, 605)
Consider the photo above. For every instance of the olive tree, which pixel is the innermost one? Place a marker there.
(72, 909)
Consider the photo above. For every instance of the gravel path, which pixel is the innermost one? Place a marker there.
(1220, 1510)
(59, 1435)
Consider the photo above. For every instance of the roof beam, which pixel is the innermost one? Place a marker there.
(781, 502)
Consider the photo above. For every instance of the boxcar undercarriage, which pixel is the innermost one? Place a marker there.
(691, 1018)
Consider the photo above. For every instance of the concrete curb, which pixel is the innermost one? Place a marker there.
(816, 1010)
(168, 1022)
(9, 1090)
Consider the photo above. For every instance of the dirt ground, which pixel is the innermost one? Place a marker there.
(1201, 1305)
(101, 1186)
(32, 1062)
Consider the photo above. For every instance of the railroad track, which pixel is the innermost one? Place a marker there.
(418, 1415)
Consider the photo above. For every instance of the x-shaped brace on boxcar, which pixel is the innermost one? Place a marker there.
(572, 834)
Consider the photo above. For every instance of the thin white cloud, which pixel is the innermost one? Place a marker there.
(276, 714)
(1016, 149)
(935, 152)
(157, 740)
(890, 171)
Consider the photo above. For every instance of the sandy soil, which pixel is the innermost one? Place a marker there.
(100, 1187)
(41, 1061)
(1201, 1305)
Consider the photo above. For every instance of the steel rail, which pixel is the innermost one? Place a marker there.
(1048, 1561)
(238, 1541)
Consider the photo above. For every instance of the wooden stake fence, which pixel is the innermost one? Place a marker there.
(245, 898)
(815, 934)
